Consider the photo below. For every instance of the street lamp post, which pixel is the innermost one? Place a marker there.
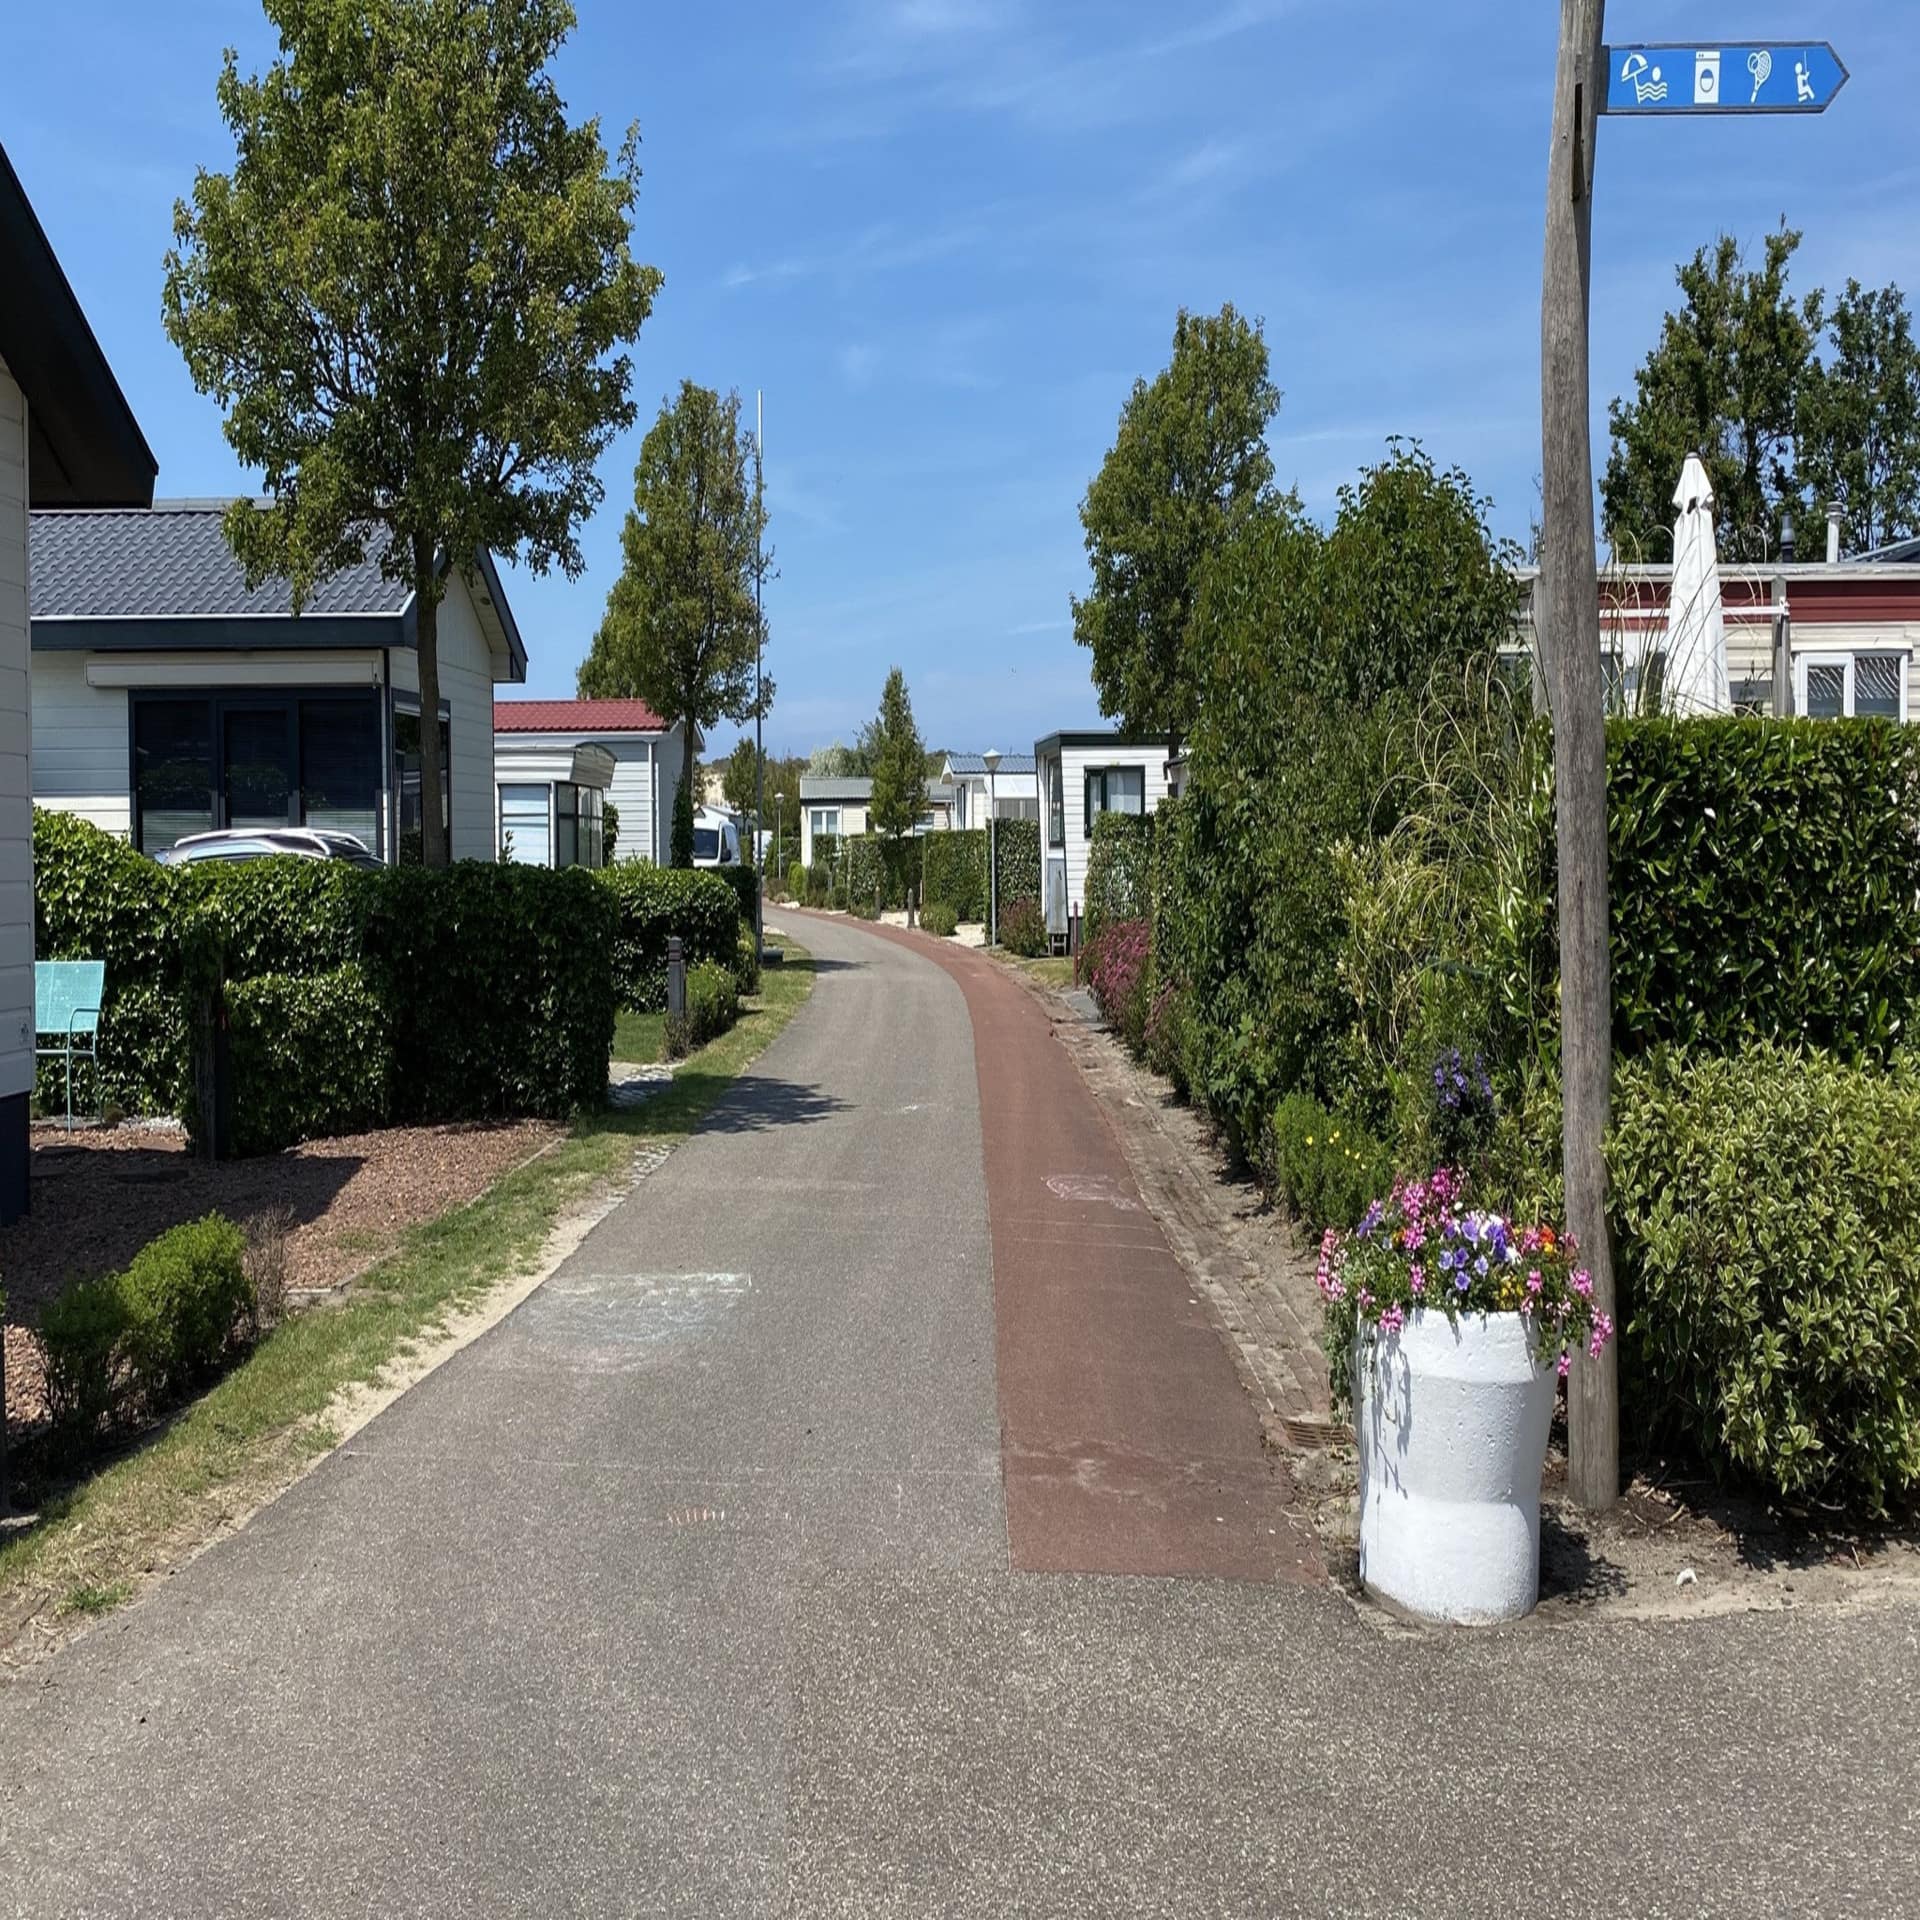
(991, 760)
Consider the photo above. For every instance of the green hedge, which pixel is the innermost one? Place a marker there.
(883, 868)
(1119, 871)
(95, 898)
(1767, 1208)
(498, 981)
(745, 882)
(655, 903)
(493, 983)
(126, 1344)
(939, 918)
(1016, 859)
(1023, 928)
(1327, 1169)
(310, 1057)
(1765, 879)
(954, 871)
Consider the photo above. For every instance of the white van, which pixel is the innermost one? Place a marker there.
(716, 839)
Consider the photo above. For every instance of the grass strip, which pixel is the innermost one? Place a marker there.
(250, 1432)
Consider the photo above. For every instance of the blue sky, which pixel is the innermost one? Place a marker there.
(945, 235)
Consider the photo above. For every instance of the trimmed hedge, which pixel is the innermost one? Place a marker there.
(939, 919)
(490, 987)
(1119, 871)
(310, 1057)
(1017, 861)
(1765, 880)
(499, 987)
(1023, 929)
(126, 1344)
(95, 898)
(655, 903)
(883, 868)
(745, 882)
(1767, 1207)
(954, 871)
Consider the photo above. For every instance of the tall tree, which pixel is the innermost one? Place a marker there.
(1189, 465)
(681, 629)
(1858, 422)
(407, 296)
(899, 764)
(1724, 381)
(739, 774)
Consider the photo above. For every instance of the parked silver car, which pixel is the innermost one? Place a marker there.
(258, 843)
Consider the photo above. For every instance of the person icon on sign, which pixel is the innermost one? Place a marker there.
(1803, 82)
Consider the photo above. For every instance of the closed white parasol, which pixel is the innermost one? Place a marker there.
(1696, 640)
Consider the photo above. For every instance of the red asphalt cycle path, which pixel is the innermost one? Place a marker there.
(1128, 1444)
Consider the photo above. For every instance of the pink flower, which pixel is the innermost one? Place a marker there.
(1566, 1365)
(1582, 1284)
(1393, 1319)
(1417, 1277)
(1533, 1280)
(1366, 1299)
(1602, 1333)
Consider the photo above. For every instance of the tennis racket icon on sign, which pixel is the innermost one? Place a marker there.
(1760, 65)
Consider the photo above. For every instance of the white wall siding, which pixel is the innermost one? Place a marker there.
(466, 685)
(82, 753)
(16, 807)
(632, 794)
(671, 754)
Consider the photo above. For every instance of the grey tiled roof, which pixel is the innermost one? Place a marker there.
(173, 559)
(816, 786)
(972, 763)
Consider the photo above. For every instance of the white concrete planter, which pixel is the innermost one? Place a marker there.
(1451, 1421)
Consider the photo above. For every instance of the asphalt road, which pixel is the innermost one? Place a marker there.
(688, 1590)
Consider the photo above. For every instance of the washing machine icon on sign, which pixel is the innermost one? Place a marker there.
(1706, 79)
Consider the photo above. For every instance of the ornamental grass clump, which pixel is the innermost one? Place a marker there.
(1422, 1249)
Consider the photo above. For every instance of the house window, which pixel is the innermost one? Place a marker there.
(1016, 809)
(825, 822)
(523, 824)
(1056, 806)
(228, 760)
(406, 779)
(1852, 686)
(1114, 790)
(1635, 680)
(576, 826)
(173, 786)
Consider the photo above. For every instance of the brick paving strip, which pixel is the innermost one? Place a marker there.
(1128, 1445)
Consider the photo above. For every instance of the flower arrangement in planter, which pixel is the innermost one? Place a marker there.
(1447, 1326)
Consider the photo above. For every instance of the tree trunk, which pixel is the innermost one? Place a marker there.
(1569, 630)
(434, 851)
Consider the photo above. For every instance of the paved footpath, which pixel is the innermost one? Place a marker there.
(706, 1584)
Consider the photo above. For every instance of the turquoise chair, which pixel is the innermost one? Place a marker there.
(66, 1011)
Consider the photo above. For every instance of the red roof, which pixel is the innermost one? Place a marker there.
(576, 716)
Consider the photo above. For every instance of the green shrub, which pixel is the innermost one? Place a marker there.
(1119, 867)
(281, 915)
(680, 836)
(125, 1344)
(836, 899)
(1327, 1170)
(713, 1005)
(797, 880)
(1765, 879)
(954, 872)
(310, 1057)
(746, 964)
(1016, 859)
(82, 1335)
(1023, 929)
(498, 985)
(655, 903)
(186, 1296)
(609, 830)
(1767, 1209)
(1167, 1035)
(882, 870)
(940, 918)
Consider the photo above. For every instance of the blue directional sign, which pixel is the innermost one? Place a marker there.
(1782, 78)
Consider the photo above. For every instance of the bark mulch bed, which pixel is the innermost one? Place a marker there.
(100, 1194)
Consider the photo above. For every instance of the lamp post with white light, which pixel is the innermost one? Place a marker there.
(991, 761)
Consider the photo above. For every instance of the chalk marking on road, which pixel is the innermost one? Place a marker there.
(620, 1322)
(1099, 1188)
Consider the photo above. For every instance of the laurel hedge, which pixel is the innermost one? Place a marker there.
(954, 872)
(652, 905)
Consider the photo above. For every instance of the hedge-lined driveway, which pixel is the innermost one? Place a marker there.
(688, 1590)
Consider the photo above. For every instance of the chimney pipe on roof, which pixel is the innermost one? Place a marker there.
(1786, 537)
(1836, 519)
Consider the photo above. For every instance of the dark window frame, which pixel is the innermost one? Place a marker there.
(218, 702)
(1056, 804)
(1103, 774)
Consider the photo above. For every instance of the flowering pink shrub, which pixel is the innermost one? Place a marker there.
(1116, 966)
(1421, 1249)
